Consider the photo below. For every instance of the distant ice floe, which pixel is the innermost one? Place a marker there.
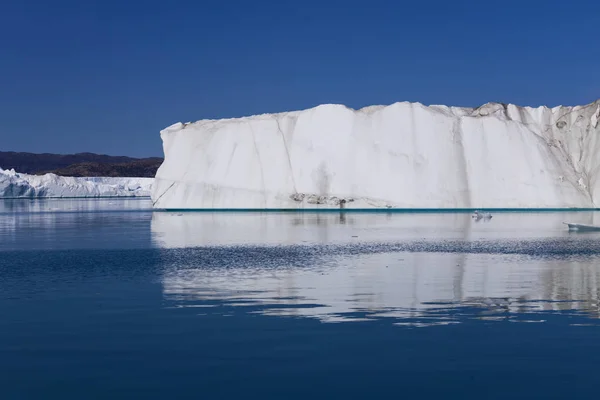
(17, 185)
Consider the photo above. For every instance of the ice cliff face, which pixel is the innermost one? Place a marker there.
(405, 155)
(15, 185)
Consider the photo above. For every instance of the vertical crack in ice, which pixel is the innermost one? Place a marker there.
(415, 149)
(262, 173)
(463, 175)
(287, 152)
(163, 193)
(231, 158)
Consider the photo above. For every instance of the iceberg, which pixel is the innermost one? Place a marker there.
(16, 185)
(404, 155)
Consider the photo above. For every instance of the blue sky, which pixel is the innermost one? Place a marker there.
(106, 76)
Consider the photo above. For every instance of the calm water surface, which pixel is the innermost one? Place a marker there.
(106, 299)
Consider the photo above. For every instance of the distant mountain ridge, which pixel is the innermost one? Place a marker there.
(80, 164)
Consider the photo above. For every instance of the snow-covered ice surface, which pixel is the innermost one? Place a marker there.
(13, 185)
(405, 155)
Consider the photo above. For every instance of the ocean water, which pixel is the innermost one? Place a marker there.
(107, 299)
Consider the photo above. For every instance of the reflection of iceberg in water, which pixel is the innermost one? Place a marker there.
(334, 276)
(71, 205)
(54, 224)
(8, 226)
(400, 285)
(192, 229)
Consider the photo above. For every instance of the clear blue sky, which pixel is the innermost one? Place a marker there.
(105, 76)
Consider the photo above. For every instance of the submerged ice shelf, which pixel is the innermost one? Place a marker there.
(405, 155)
(16, 185)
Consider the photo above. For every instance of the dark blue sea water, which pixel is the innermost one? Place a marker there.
(104, 299)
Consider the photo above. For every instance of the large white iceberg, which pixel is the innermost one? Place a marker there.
(16, 185)
(405, 155)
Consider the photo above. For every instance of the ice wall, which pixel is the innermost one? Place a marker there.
(16, 185)
(405, 155)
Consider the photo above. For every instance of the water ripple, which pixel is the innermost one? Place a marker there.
(415, 283)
